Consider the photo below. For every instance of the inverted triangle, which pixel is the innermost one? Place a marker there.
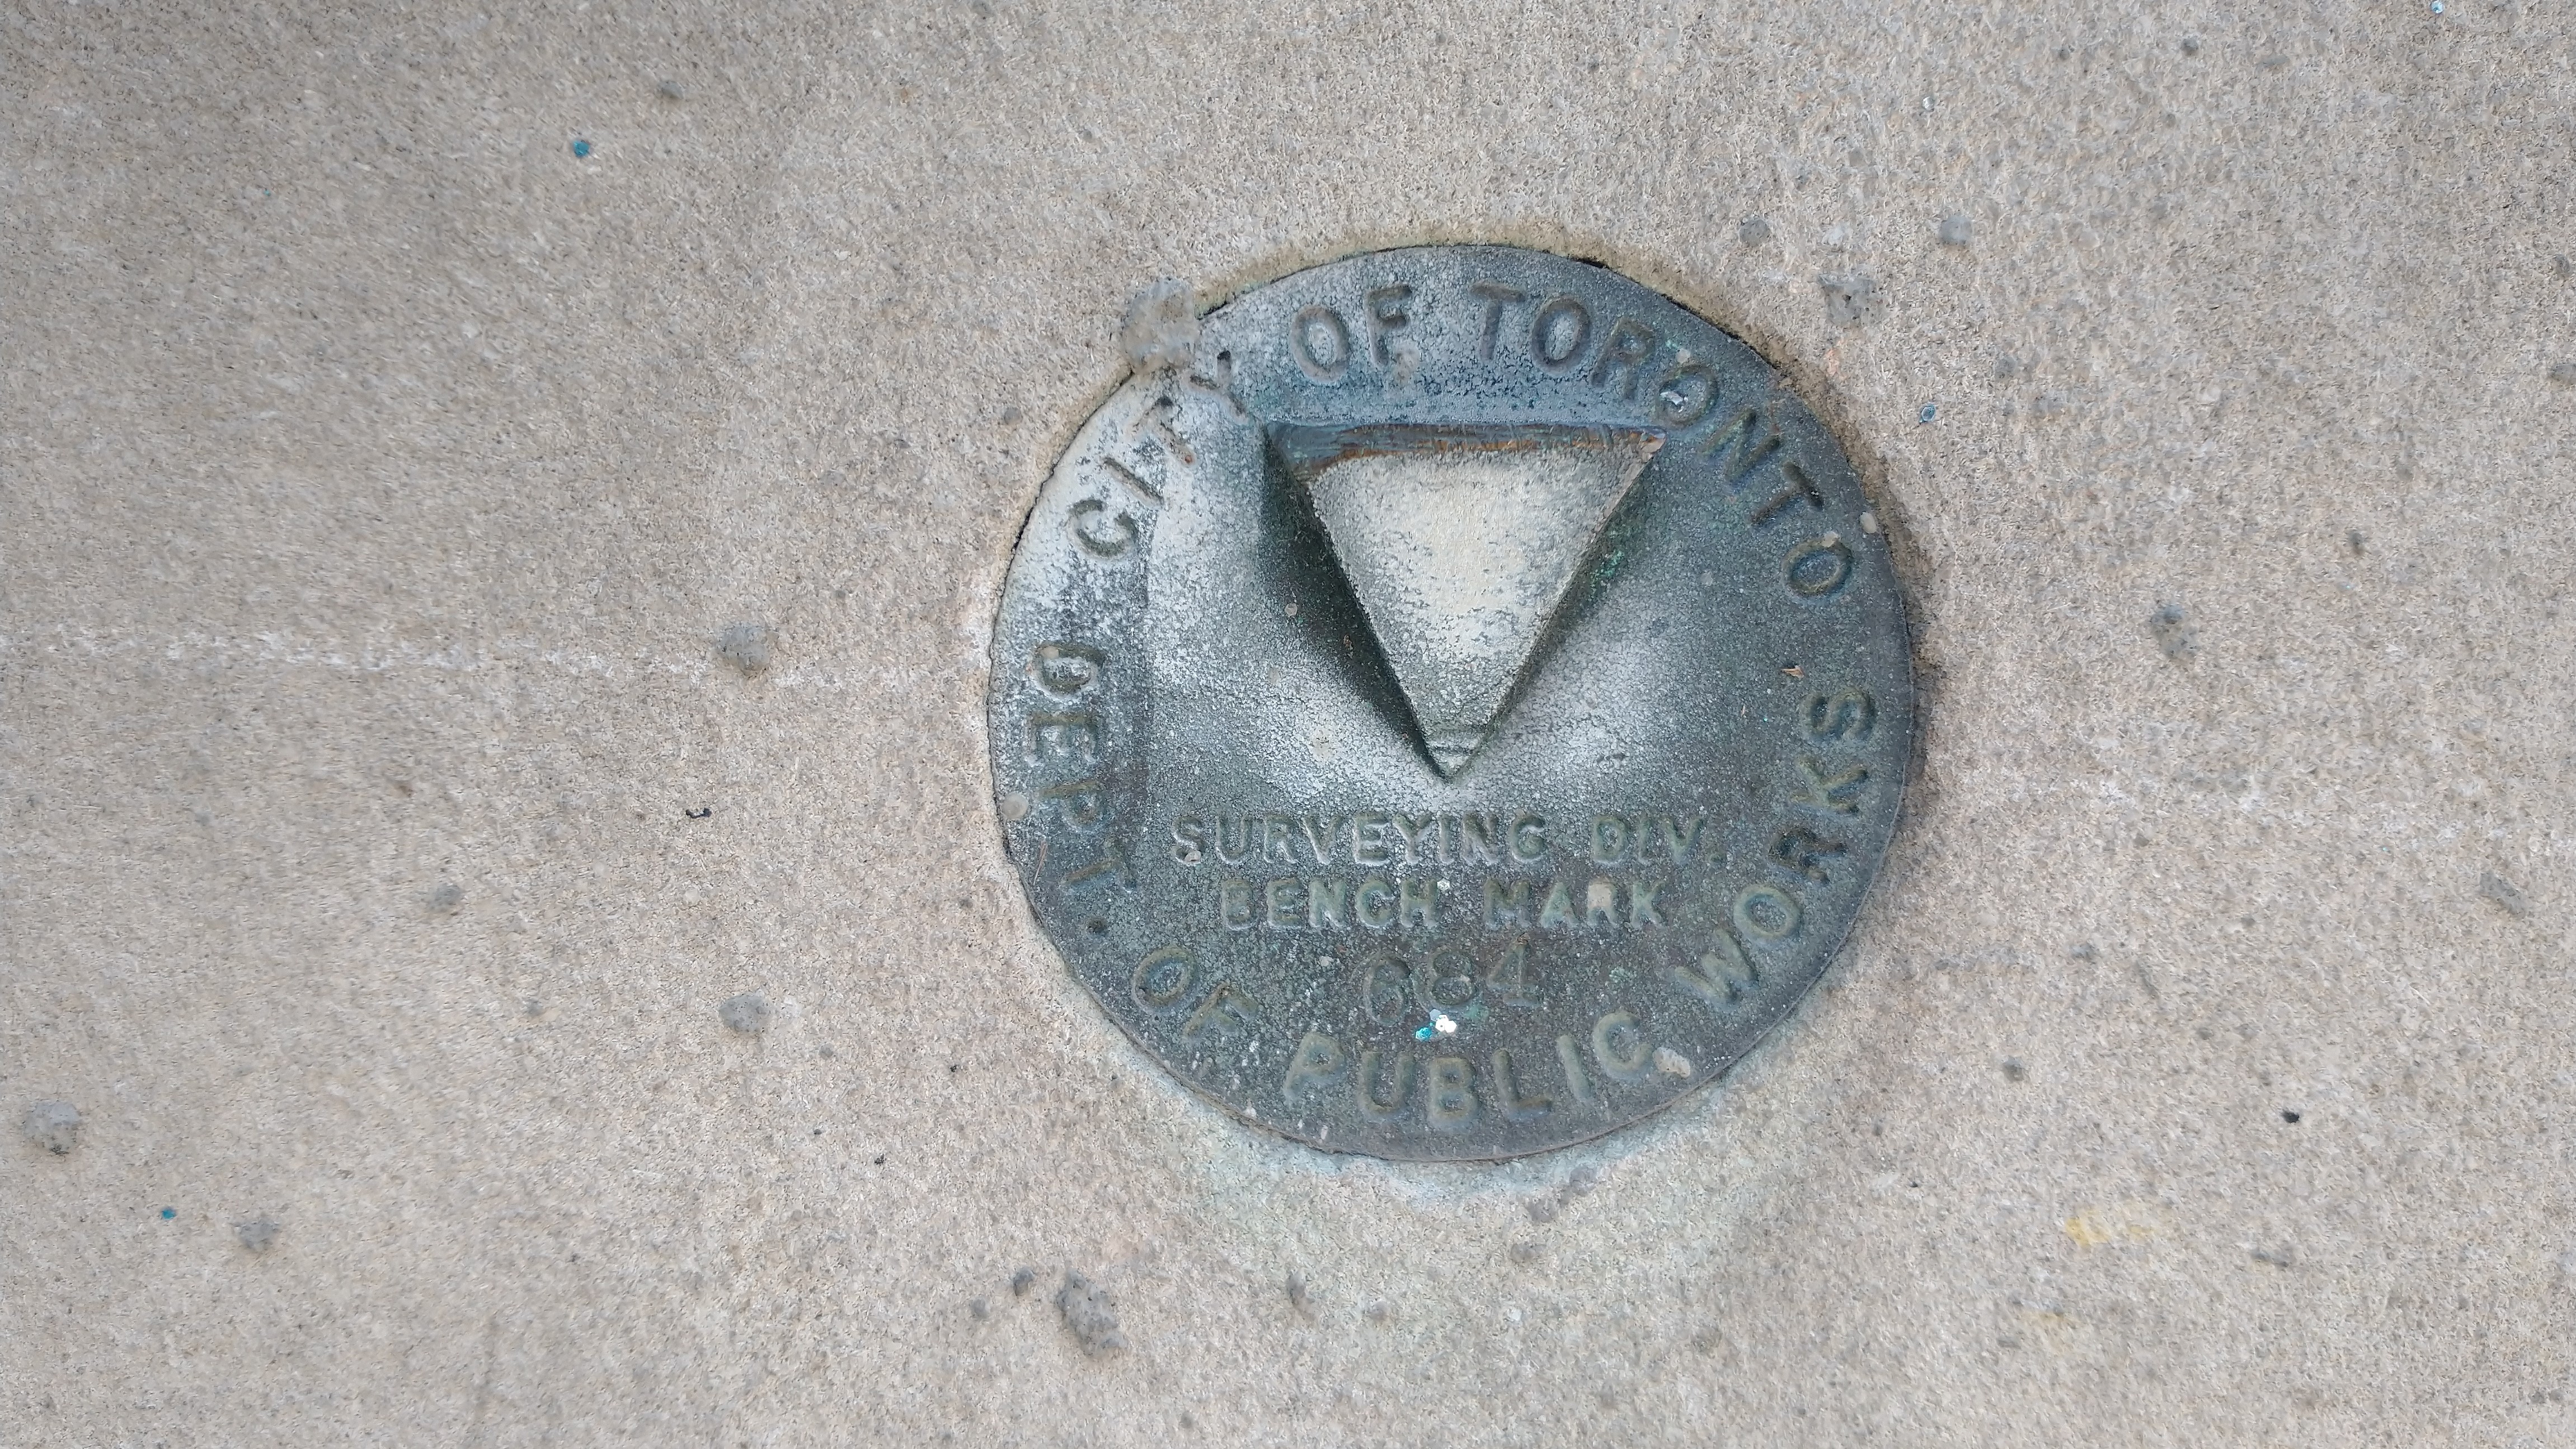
(1460, 542)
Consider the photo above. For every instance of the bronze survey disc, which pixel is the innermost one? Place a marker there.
(1452, 708)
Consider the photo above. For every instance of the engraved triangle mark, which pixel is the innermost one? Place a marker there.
(1460, 541)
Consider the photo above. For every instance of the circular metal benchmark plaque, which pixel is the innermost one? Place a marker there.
(1452, 709)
